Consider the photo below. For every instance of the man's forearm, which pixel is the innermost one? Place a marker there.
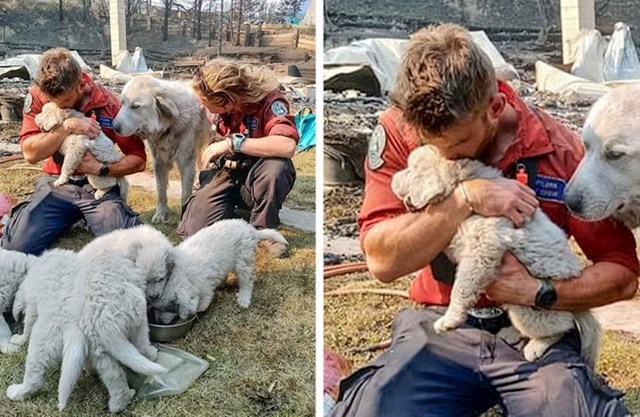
(128, 164)
(407, 243)
(600, 284)
(41, 146)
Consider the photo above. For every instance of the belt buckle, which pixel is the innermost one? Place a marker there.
(486, 313)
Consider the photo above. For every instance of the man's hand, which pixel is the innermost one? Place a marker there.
(513, 284)
(90, 165)
(502, 197)
(215, 150)
(82, 126)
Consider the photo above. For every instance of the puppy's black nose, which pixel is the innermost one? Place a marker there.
(574, 202)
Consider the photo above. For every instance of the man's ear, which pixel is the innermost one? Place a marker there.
(497, 105)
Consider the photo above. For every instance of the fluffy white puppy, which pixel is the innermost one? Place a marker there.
(74, 148)
(203, 262)
(479, 246)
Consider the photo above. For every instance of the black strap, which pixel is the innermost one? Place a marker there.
(442, 269)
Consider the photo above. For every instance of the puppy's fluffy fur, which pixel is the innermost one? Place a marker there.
(204, 260)
(74, 148)
(13, 270)
(97, 311)
(478, 248)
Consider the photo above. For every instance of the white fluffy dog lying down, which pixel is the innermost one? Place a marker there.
(74, 148)
(94, 309)
(478, 248)
(13, 269)
(203, 262)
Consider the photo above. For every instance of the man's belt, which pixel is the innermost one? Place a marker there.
(490, 319)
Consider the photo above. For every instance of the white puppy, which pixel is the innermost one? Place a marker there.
(14, 266)
(100, 314)
(203, 262)
(168, 115)
(607, 181)
(479, 246)
(74, 148)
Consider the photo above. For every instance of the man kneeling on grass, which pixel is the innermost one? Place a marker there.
(447, 95)
(37, 221)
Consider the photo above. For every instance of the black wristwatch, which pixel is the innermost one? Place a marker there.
(104, 170)
(546, 296)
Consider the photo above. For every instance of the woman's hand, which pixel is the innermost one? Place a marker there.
(502, 197)
(215, 151)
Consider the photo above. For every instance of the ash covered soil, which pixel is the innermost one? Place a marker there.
(351, 117)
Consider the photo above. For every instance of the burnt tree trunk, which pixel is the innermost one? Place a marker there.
(220, 29)
(240, 24)
(165, 25)
(543, 35)
(60, 11)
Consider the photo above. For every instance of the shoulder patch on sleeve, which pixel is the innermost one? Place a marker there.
(278, 108)
(28, 100)
(377, 143)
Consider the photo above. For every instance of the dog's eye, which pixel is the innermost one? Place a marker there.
(613, 155)
(134, 106)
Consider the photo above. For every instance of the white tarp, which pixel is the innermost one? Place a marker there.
(383, 56)
(118, 77)
(621, 59)
(570, 87)
(588, 55)
(25, 66)
(132, 64)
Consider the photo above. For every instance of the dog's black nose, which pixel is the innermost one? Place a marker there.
(116, 127)
(574, 202)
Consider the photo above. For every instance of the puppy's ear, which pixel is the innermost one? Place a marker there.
(187, 300)
(167, 107)
(134, 251)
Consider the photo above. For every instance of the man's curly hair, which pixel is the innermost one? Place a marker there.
(443, 78)
(58, 72)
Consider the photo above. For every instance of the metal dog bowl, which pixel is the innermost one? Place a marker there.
(170, 332)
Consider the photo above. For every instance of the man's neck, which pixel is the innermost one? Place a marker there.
(504, 137)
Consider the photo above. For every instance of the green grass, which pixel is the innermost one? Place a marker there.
(261, 360)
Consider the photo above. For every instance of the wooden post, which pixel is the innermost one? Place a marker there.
(258, 41)
(296, 38)
(247, 35)
(576, 15)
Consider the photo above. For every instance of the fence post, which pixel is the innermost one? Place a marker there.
(297, 38)
(247, 34)
(259, 35)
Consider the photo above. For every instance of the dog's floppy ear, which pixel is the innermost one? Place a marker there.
(167, 107)
(187, 300)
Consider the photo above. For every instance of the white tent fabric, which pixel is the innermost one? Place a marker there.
(621, 59)
(25, 66)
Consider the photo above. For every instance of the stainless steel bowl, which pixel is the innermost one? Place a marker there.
(169, 332)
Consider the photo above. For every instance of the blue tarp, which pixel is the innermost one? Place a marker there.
(306, 125)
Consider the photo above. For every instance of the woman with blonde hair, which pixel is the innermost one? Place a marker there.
(254, 140)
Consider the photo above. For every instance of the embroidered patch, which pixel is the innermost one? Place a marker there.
(105, 121)
(377, 142)
(550, 188)
(278, 108)
(27, 103)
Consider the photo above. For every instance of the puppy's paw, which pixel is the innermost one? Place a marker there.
(535, 349)
(16, 392)
(244, 299)
(59, 182)
(151, 353)
(9, 347)
(446, 323)
(159, 217)
(119, 403)
(19, 339)
(99, 194)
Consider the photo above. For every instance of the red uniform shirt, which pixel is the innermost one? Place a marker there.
(102, 100)
(268, 117)
(557, 150)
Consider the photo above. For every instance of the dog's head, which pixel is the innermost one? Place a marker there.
(146, 107)
(179, 296)
(428, 178)
(50, 117)
(605, 182)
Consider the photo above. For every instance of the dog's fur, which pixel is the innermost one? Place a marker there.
(606, 182)
(203, 262)
(479, 246)
(168, 115)
(98, 312)
(74, 148)
(14, 267)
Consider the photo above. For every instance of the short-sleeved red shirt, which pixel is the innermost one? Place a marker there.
(557, 150)
(102, 101)
(268, 117)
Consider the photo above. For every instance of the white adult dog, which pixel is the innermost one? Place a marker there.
(95, 309)
(479, 246)
(168, 115)
(74, 147)
(14, 267)
(607, 181)
(203, 262)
